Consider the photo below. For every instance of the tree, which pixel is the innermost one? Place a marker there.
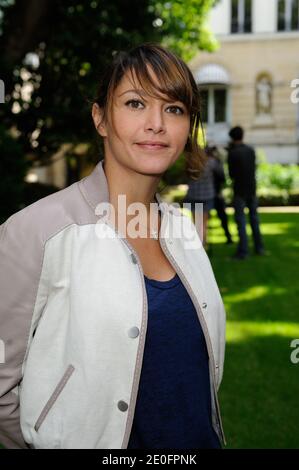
(73, 41)
(13, 168)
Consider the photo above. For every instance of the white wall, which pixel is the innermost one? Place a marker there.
(220, 17)
(264, 16)
(286, 154)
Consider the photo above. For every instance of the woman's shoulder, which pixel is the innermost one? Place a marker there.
(39, 220)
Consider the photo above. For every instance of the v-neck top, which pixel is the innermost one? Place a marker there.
(173, 407)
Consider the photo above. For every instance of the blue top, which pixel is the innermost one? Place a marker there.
(173, 408)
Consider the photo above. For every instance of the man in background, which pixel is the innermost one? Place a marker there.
(242, 167)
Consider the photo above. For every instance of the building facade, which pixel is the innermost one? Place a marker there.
(252, 80)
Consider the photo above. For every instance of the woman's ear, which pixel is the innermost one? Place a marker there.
(97, 116)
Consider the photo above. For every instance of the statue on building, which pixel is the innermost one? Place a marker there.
(263, 95)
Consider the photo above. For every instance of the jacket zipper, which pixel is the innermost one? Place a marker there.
(199, 312)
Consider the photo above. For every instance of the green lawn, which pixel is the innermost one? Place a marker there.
(259, 395)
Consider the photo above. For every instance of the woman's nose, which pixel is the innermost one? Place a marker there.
(155, 120)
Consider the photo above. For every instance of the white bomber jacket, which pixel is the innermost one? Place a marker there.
(73, 319)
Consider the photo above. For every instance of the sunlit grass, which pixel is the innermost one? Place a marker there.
(252, 293)
(260, 389)
(242, 331)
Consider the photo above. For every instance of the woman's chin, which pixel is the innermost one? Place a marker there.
(152, 168)
(153, 164)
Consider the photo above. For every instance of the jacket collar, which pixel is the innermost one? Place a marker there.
(95, 188)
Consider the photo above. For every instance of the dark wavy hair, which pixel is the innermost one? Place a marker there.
(175, 80)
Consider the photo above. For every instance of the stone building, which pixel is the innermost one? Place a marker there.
(252, 79)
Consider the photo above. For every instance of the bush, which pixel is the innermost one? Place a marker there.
(176, 173)
(35, 191)
(277, 176)
(277, 184)
(13, 169)
(269, 176)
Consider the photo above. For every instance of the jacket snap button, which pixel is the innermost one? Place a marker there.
(122, 405)
(133, 332)
(204, 305)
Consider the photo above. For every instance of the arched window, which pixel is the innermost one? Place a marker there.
(213, 81)
(214, 103)
(241, 16)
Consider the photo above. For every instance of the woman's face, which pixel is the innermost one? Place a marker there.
(138, 117)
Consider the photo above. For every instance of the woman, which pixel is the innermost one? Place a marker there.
(219, 201)
(202, 191)
(112, 340)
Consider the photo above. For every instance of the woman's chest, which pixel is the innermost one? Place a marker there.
(154, 263)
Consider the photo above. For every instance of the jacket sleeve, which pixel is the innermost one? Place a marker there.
(20, 265)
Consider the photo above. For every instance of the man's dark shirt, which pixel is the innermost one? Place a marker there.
(241, 166)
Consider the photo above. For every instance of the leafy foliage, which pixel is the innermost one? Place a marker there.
(51, 56)
(74, 41)
(12, 170)
(184, 29)
(277, 176)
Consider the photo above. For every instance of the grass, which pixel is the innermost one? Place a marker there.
(259, 394)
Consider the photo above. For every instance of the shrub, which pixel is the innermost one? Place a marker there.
(13, 169)
(35, 191)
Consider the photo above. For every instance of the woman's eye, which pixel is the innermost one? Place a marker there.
(178, 108)
(133, 102)
(137, 104)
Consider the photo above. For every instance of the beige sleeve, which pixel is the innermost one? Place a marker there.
(20, 255)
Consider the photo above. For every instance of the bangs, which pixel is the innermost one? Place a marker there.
(174, 79)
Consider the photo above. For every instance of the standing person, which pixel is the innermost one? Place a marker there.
(115, 340)
(202, 190)
(219, 202)
(242, 167)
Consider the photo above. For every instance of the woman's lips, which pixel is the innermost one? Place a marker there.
(152, 147)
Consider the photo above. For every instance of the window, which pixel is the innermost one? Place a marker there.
(235, 16)
(241, 18)
(295, 15)
(214, 105)
(281, 15)
(247, 18)
(288, 15)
